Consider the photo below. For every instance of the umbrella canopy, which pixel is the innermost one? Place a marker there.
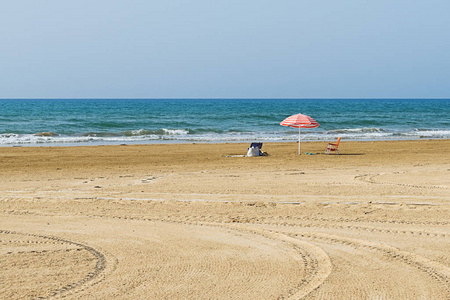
(299, 121)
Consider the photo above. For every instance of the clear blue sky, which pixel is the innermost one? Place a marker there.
(225, 49)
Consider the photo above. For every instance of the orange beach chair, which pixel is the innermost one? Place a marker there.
(333, 147)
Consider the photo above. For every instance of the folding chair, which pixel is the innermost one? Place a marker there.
(333, 147)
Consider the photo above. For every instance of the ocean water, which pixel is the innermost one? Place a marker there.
(46, 122)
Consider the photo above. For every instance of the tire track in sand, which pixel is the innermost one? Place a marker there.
(435, 270)
(37, 245)
(315, 279)
(316, 262)
(370, 178)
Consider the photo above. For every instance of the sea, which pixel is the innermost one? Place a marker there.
(81, 122)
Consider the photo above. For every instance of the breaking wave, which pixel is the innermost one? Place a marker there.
(184, 135)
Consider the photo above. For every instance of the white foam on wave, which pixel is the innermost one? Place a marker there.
(175, 131)
(180, 136)
(139, 132)
(428, 133)
(27, 139)
(357, 130)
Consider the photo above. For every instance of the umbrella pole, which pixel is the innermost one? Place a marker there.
(299, 153)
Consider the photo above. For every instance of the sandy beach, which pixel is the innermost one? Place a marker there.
(199, 221)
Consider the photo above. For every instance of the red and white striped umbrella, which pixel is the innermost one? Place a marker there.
(299, 121)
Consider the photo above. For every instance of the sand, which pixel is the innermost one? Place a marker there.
(196, 221)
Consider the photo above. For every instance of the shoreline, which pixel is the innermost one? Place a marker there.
(183, 142)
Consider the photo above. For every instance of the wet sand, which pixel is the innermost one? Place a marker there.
(197, 221)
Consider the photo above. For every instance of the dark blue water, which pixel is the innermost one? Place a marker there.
(116, 121)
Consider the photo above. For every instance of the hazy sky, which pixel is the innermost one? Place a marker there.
(225, 49)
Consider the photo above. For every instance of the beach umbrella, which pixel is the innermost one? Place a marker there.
(299, 121)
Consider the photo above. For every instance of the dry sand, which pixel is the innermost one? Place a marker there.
(195, 222)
